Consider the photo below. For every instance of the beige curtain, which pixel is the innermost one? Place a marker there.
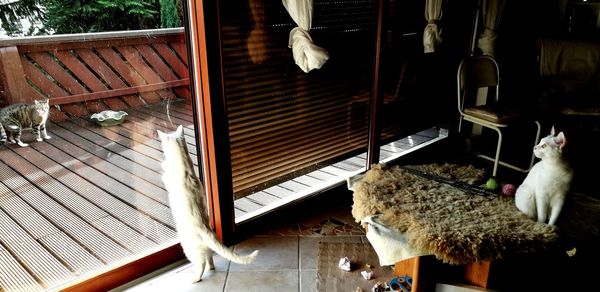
(492, 14)
(432, 34)
(307, 55)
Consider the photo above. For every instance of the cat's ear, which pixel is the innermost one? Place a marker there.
(161, 135)
(179, 131)
(561, 140)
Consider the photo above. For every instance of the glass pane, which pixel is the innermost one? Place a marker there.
(88, 195)
(291, 131)
(413, 108)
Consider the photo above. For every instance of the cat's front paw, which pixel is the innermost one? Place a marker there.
(22, 144)
(47, 137)
(39, 139)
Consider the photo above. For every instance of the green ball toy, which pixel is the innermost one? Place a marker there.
(492, 184)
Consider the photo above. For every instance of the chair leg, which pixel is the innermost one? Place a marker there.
(498, 147)
(496, 158)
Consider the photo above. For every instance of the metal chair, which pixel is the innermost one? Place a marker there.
(479, 72)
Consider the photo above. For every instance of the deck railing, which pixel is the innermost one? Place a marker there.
(86, 73)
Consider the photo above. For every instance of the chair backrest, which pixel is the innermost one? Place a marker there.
(474, 73)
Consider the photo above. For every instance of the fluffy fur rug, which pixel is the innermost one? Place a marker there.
(446, 220)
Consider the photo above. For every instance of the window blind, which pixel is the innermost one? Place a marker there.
(284, 122)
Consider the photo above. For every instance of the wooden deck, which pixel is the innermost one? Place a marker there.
(85, 199)
(90, 196)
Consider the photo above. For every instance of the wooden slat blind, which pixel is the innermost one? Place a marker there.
(284, 122)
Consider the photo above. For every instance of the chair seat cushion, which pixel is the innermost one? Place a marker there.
(493, 113)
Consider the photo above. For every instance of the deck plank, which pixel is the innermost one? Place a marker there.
(321, 175)
(15, 180)
(44, 231)
(115, 188)
(126, 236)
(347, 166)
(293, 186)
(153, 111)
(13, 276)
(114, 143)
(32, 254)
(121, 160)
(246, 205)
(162, 122)
(278, 191)
(263, 198)
(36, 225)
(338, 172)
(75, 256)
(102, 246)
(308, 180)
(121, 166)
(137, 124)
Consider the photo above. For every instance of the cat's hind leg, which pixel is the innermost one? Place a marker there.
(17, 138)
(10, 128)
(210, 264)
(525, 201)
(199, 271)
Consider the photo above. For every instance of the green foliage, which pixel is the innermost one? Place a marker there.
(79, 16)
(11, 12)
(169, 17)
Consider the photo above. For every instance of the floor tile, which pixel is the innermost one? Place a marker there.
(179, 277)
(262, 281)
(275, 253)
(181, 280)
(309, 248)
(308, 281)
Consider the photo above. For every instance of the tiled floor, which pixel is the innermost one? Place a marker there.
(287, 260)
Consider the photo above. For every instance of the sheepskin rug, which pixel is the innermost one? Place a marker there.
(442, 217)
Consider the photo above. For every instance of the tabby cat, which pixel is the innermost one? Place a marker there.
(188, 205)
(16, 117)
(543, 191)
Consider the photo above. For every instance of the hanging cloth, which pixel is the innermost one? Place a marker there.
(432, 36)
(492, 14)
(307, 55)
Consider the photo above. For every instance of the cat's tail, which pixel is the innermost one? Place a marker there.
(213, 243)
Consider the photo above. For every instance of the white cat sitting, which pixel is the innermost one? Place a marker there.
(187, 199)
(543, 191)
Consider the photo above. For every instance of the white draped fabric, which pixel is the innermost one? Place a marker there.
(432, 36)
(307, 55)
(492, 14)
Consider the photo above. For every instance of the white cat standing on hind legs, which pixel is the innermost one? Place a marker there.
(543, 191)
(188, 206)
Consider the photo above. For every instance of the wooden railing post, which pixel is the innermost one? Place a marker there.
(12, 77)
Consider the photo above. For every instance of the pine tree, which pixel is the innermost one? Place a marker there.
(12, 11)
(79, 16)
(168, 14)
